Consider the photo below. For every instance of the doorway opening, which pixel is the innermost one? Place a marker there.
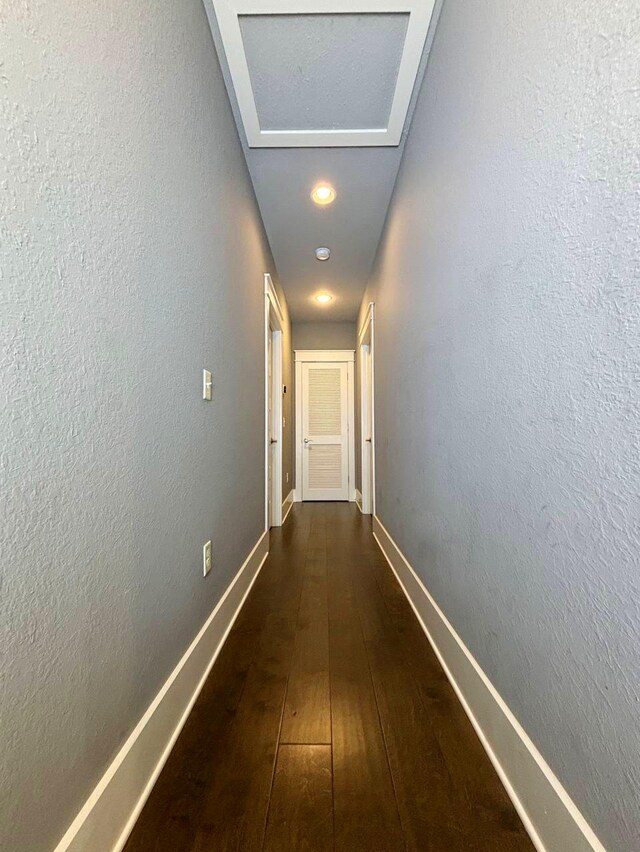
(325, 456)
(366, 498)
(273, 321)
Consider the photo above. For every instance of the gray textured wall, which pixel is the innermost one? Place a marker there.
(507, 372)
(323, 335)
(132, 257)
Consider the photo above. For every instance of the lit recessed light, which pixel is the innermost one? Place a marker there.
(323, 298)
(323, 193)
(323, 253)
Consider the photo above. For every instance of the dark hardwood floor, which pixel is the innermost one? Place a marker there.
(327, 721)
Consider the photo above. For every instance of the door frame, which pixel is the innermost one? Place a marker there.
(273, 324)
(314, 356)
(367, 400)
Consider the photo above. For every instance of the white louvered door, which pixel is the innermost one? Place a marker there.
(325, 450)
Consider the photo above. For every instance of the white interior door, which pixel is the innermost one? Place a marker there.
(325, 436)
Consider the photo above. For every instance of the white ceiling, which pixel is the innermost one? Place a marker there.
(343, 78)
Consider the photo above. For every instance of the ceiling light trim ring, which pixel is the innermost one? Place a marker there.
(323, 194)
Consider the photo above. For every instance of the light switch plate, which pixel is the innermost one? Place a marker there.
(207, 559)
(207, 384)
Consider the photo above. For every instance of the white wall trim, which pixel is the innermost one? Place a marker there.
(367, 403)
(274, 320)
(287, 505)
(109, 814)
(333, 356)
(227, 12)
(359, 500)
(351, 425)
(548, 813)
(366, 321)
(272, 295)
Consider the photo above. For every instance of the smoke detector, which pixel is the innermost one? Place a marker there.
(323, 253)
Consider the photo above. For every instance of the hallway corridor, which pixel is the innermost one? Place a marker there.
(328, 677)
(319, 445)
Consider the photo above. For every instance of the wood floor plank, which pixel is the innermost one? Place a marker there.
(483, 804)
(405, 766)
(236, 802)
(365, 810)
(168, 820)
(434, 817)
(301, 810)
(307, 712)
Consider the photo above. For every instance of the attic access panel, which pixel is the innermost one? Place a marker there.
(323, 73)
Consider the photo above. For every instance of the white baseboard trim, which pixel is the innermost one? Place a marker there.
(297, 495)
(287, 505)
(109, 814)
(548, 813)
(359, 499)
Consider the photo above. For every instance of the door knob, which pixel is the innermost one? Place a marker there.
(307, 440)
(274, 440)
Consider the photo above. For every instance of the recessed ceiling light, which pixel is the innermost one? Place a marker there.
(323, 193)
(323, 253)
(323, 298)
